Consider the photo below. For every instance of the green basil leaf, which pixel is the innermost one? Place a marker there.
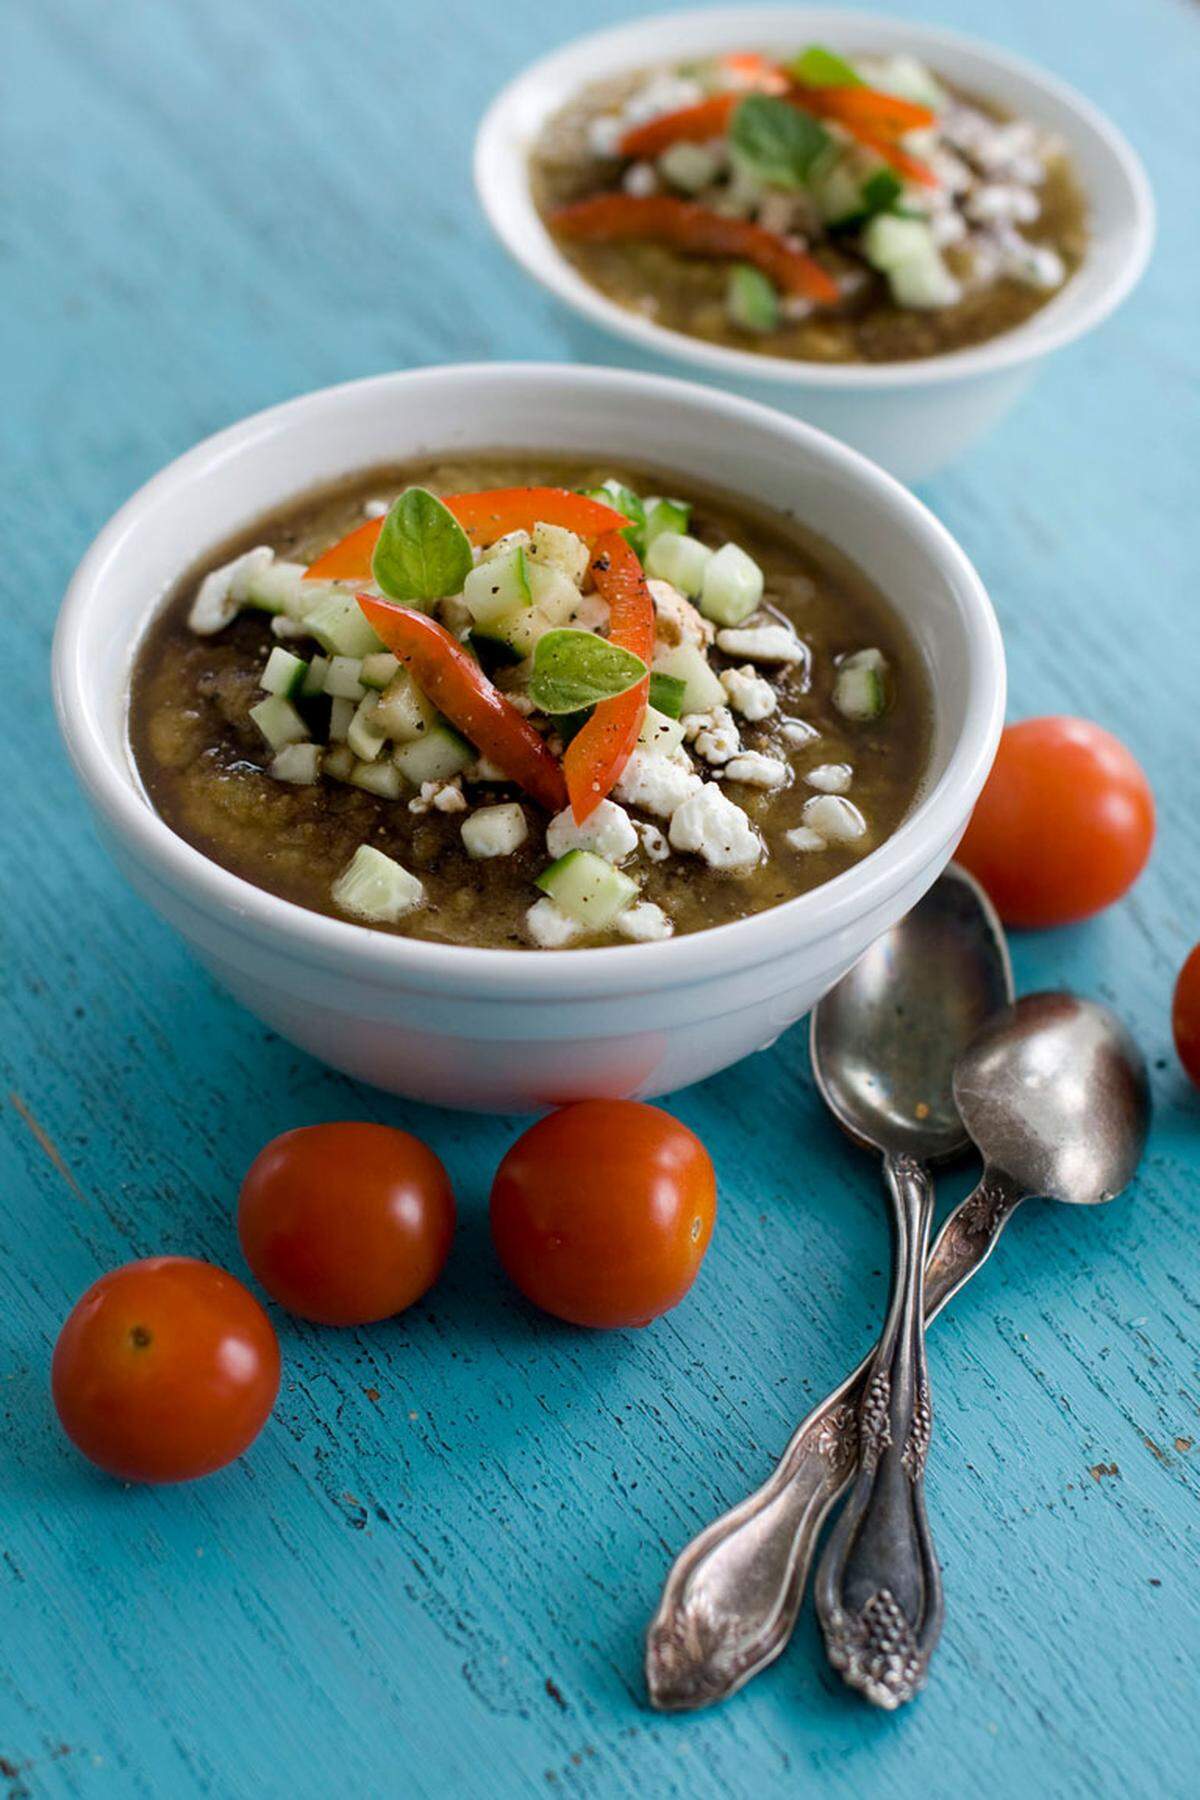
(881, 191)
(775, 141)
(615, 493)
(423, 552)
(574, 669)
(818, 67)
(666, 693)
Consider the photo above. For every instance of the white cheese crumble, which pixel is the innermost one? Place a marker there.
(750, 694)
(756, 770)
(798, 731)
(654, 843)
(645, 923)
(709, 823)
(445, 796)
(376, 509)
(486, 770)
(717, 738)
(641, 180)
(804, 838)
(830, 778)
(676, 620)
(549, 926)
(837, 820)
(657, 783)
(763, 643)
(608, 832)
(494, 830)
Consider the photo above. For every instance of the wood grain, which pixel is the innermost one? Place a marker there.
(431, 1575)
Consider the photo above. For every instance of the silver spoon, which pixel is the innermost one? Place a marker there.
(1054, 1091)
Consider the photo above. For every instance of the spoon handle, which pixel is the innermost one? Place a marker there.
(878, 1590)
(732, 1597)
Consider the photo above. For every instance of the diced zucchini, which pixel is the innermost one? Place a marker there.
(376, 887)
(279, 721)
(673, 516)
(339, 763)
(554, 547)
(314, 677)
(588, 889)
(733, 586)
(512, 540)
(438, 756)
(555, 595)
(343, 678)
(860, 687)
(277, 588)
(923, 282)
(340, 714)
(404, 714)
(497, 587)
(688, 663)
(381, 777)
(363, 734)
(494, 830)
(887, 241)
(752, 299)
(340, 627)
(379, 669)
(666, 693)
(679, 559)
(284, 673)
(297, 763)
(689, 167)
(659, 732)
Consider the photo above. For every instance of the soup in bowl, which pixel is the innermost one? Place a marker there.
(701, 706)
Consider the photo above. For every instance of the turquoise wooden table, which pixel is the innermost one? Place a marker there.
(431, 1575)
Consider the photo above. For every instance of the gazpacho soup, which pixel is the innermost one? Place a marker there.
(529, 705)
(810, 206)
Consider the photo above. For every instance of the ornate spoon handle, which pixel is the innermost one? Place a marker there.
(732, 1595)
(878, 1590)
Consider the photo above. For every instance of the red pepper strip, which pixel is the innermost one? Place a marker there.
(885, 114)
(699, 232)
(690, 124)
(598, 753)
(484, 517)
(900, 160)
(456, 684)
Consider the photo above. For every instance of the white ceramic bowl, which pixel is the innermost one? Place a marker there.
(509, 1029)
(912, 417)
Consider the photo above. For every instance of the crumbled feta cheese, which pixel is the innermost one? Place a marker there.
(662, 92)
(223, 591)
(486, 770)
(549, 926)
(589, 613)
(494, 830)
(804, 838)
(717, 740)
(520, 702)
(1034, 265)
(446, 796)
(641, 180)
(676, 620)
(645, 923)
(376, 509)
(1001, 203)
(283, 627)
(657, 783)
(709, 823)
(798, 731)
(604, 134)
(763, 643)
(653, 842)
(756, 770)
(750, 694)
(948, 227)
(830, 778)
(608, 832)
(837, 820)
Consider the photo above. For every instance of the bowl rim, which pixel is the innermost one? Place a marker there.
(1067, 316)
(110, 780)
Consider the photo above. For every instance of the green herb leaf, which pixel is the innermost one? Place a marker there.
(881, 191)
(819, 67)
(615, 493)
(574, 669)
(775, 141)
(423, 552)
(666, 693)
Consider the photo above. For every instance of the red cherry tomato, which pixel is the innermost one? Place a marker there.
(1185, 1015)
(602, 1212)
(1064, 824)
(345, 1224)
(166, 1369)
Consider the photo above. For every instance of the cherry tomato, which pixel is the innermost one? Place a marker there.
(166, 1369)
(602, 1212)
(1185, 1015)
(345, 1224)
(1064, 824)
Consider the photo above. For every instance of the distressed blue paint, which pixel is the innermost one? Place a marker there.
(441, 1591)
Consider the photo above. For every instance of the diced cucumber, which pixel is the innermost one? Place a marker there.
(908, 79)
(279, 721)
(555, 595)
(381, 777)
(887, 241)
(673, 516)
(752, 299)
(340, 627)
(438, 756)
(343, 678)
(340, 714)
(284, 673)
(733, 586)
(494, 830)
(688, 663)
(860, 687)
(363, 734)
(379, 669)
(498, 587)
(297, 763)
(404, 714)
(376, 887)
(277, 588)
(923, 282)
(339, 763)
(314, 677)
(689, 167)
(666, 693)
(512, 540)
(837, 187)
(679, 559)
(555, 547)
(659, 732)
(588, 889)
